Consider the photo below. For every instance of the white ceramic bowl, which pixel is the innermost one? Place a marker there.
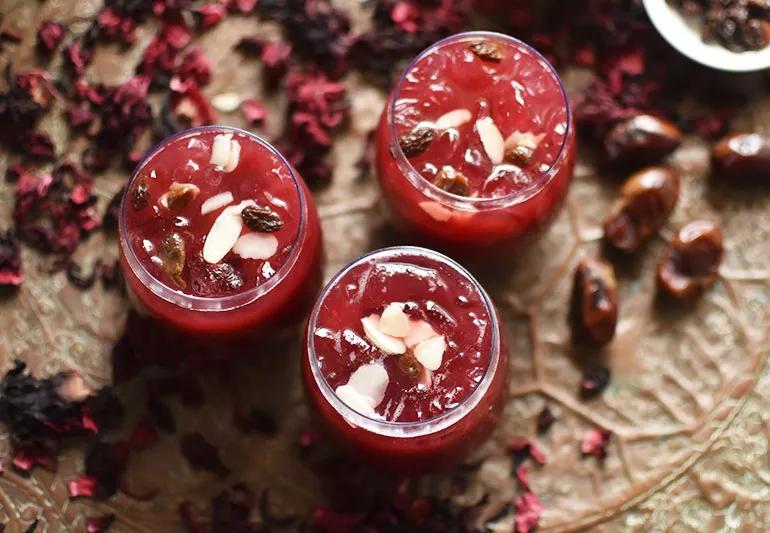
(685, 36)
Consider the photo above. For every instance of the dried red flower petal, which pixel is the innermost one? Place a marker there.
(25, 458)
(528, 510)
(202, 455)
(49, 34)
(595, 380)
(253, 111)
(545, 419)
(275, 56)
(241, 6)
(106, 463)
(326, 519)
(595, 443)
(79, 116)
(99, 524)
(193, 69)
(143, 436)
(116, 27)
(308, 437)
(82, 487)
(77, 58)
(193, 108)
(521, 476)
(210, 15)
(11, 272)
(524, 448)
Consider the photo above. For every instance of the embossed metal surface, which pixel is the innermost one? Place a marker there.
(689, 402)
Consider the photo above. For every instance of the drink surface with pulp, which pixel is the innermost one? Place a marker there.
(510, 87)
(259, 177)
(430, 290)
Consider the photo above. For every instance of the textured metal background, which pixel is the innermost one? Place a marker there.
(689, 401)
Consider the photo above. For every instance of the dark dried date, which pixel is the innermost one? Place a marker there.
(641, 139)
(594, 308)
(691, 263)
(140, 196)
(260, 218)
(742, 158)
(452, 181)
(173, 256)
(487, 50)
(415, 142)
(646, 201)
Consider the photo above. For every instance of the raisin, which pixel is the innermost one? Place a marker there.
(520, 155)
(173, 256)
(409, 365)
(415, 142)
(487, 50)
(180, 195)
(259, 218)
(451, 181)
(140, 196)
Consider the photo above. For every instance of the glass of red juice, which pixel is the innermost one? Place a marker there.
(476, 145)
(219, 236)
(404, 361)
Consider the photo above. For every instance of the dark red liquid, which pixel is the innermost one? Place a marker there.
(433, 290)
(507, 200)
(234, 297)
(260, 176)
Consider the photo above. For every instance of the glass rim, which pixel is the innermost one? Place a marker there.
(206, 303)
(418, 428)
(457, 201)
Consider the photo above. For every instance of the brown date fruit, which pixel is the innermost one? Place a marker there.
(451, 181)
(594, 308)
(743, 158)
(646, 201)
(641, 139)
(691, 263)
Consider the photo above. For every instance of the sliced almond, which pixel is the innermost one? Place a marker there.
(371, 380)
(217, 201)
(453, 119)
(256, 246)
(430, 353)
(355, 400)
(383, 341)
(226, 102)
(225, 152)
(491, 139)
(425, 379)
(523, 138)
(394, 321)
(419, 330)
(224, 233)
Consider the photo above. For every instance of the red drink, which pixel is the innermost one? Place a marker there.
(476, 145)
(404, 360)
(219, 235)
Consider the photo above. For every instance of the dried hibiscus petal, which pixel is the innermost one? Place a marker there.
(452, 181)
(11, 272)
(82, 487)
(106, 463)
(691, 263)
(202, 455)
(646, 201)
(263, 219)
(487, 50)
(594, 307)
(595, 443)
(99, 524)
(528, 510)
(595, 380)
(173, 256)
(49, 35)
(415, 142)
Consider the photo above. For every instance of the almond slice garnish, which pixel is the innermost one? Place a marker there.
(365, 388)
(430, 352)
(436, 211)
(419, 330)
(226, 102)
(256, 246)
(453, 119)
(224, 233)
(394, 321)
(383, 341)
(225, 152)
(217, 201)
(523, 138)
(491, 139)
